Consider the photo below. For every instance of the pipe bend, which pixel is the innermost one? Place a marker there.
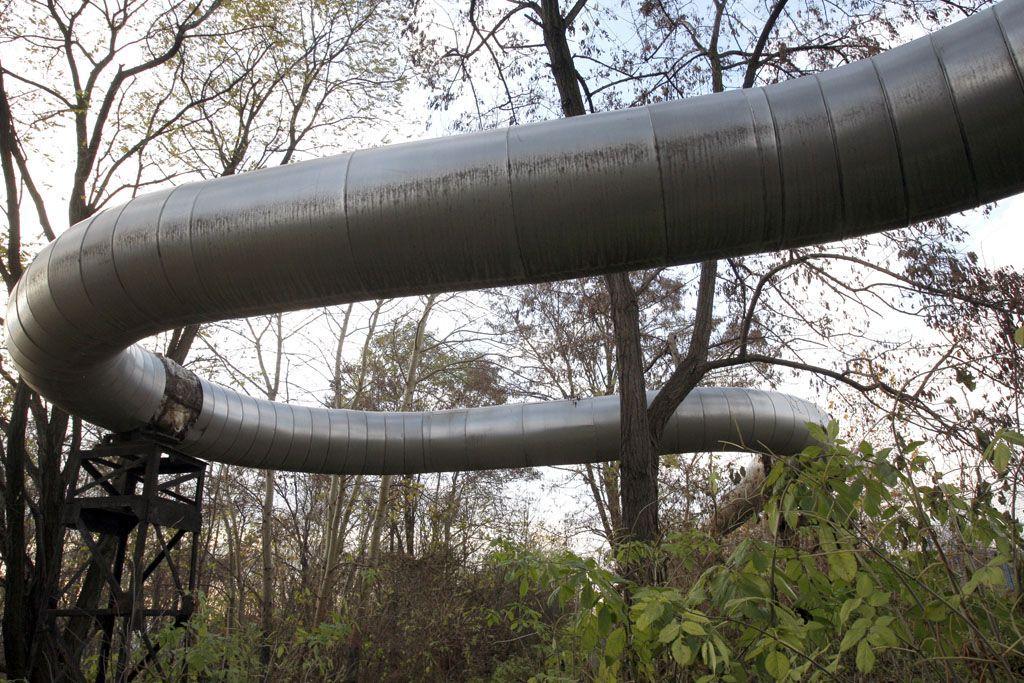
(930, 128)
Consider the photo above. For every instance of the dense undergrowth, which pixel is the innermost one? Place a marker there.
(866, 564)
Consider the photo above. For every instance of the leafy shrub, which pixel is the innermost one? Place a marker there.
(870, 562)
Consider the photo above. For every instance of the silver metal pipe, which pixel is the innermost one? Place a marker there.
(933, 127)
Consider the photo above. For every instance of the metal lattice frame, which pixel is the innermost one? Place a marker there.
(136, 506)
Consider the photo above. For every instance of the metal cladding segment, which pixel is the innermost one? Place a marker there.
(930, 128)
(136, 258)
(349, 440)
(1010, 17)
(292, 223)
(765, 419)
(488, 433)
(496, 437)
(586, 194)
(556, 430)
(812, 196)
(110, 302)
(394, 441)
(320, 440)
(447, 446)
(715, 418)
(711, 172)
(214, 416)
(869, 171)
(63, 276)
(263, 433)
(937, 174)
(771, 188)
(440, 210)
(38, 316)
(985, 87)
(172, 249)
(302, 439)
(374, 440)
(415, 446)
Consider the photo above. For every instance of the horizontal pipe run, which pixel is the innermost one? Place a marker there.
(930, 128)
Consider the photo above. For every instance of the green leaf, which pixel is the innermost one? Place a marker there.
(992, 575)
(682, 653)
(773, 516)
(693, 628)
(707, 651)
(1018, 336)
(847, 608)
(669, 633)
(649, 615)
(826, 539)
(865, 657)
(989, 575)
(723, 649)
(587, 596)
(760, 560)
(853, 636)
(865, 586)
(882, 636)
(872, 500)
(912, 446)
(589, 638)
(879, 599)
(777, 665)
(1000, 456)
(817, 433)
(935, 611)
(604, 618)
(843, 564)
(773, 476)
(615, 644)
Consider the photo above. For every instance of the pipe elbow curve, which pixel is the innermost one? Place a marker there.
(927, 129)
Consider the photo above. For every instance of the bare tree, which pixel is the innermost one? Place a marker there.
(88, 67)
(685, 50)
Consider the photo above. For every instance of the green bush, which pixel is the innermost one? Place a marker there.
(870, 564)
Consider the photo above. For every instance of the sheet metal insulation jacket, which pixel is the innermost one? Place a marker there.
(930, 128)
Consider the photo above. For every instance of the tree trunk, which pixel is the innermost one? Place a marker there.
(337, 493)
(410, 490)
(639, 468)
(380, 514)
(381, 511)
(16, 622)
(610, 480)
(638, 472)
(331, 540)
(267, 540)
(563, 69)
(688, 373)
(591, 475)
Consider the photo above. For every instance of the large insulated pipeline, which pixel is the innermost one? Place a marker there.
(933, 127)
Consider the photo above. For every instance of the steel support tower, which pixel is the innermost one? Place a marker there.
(135, 504)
